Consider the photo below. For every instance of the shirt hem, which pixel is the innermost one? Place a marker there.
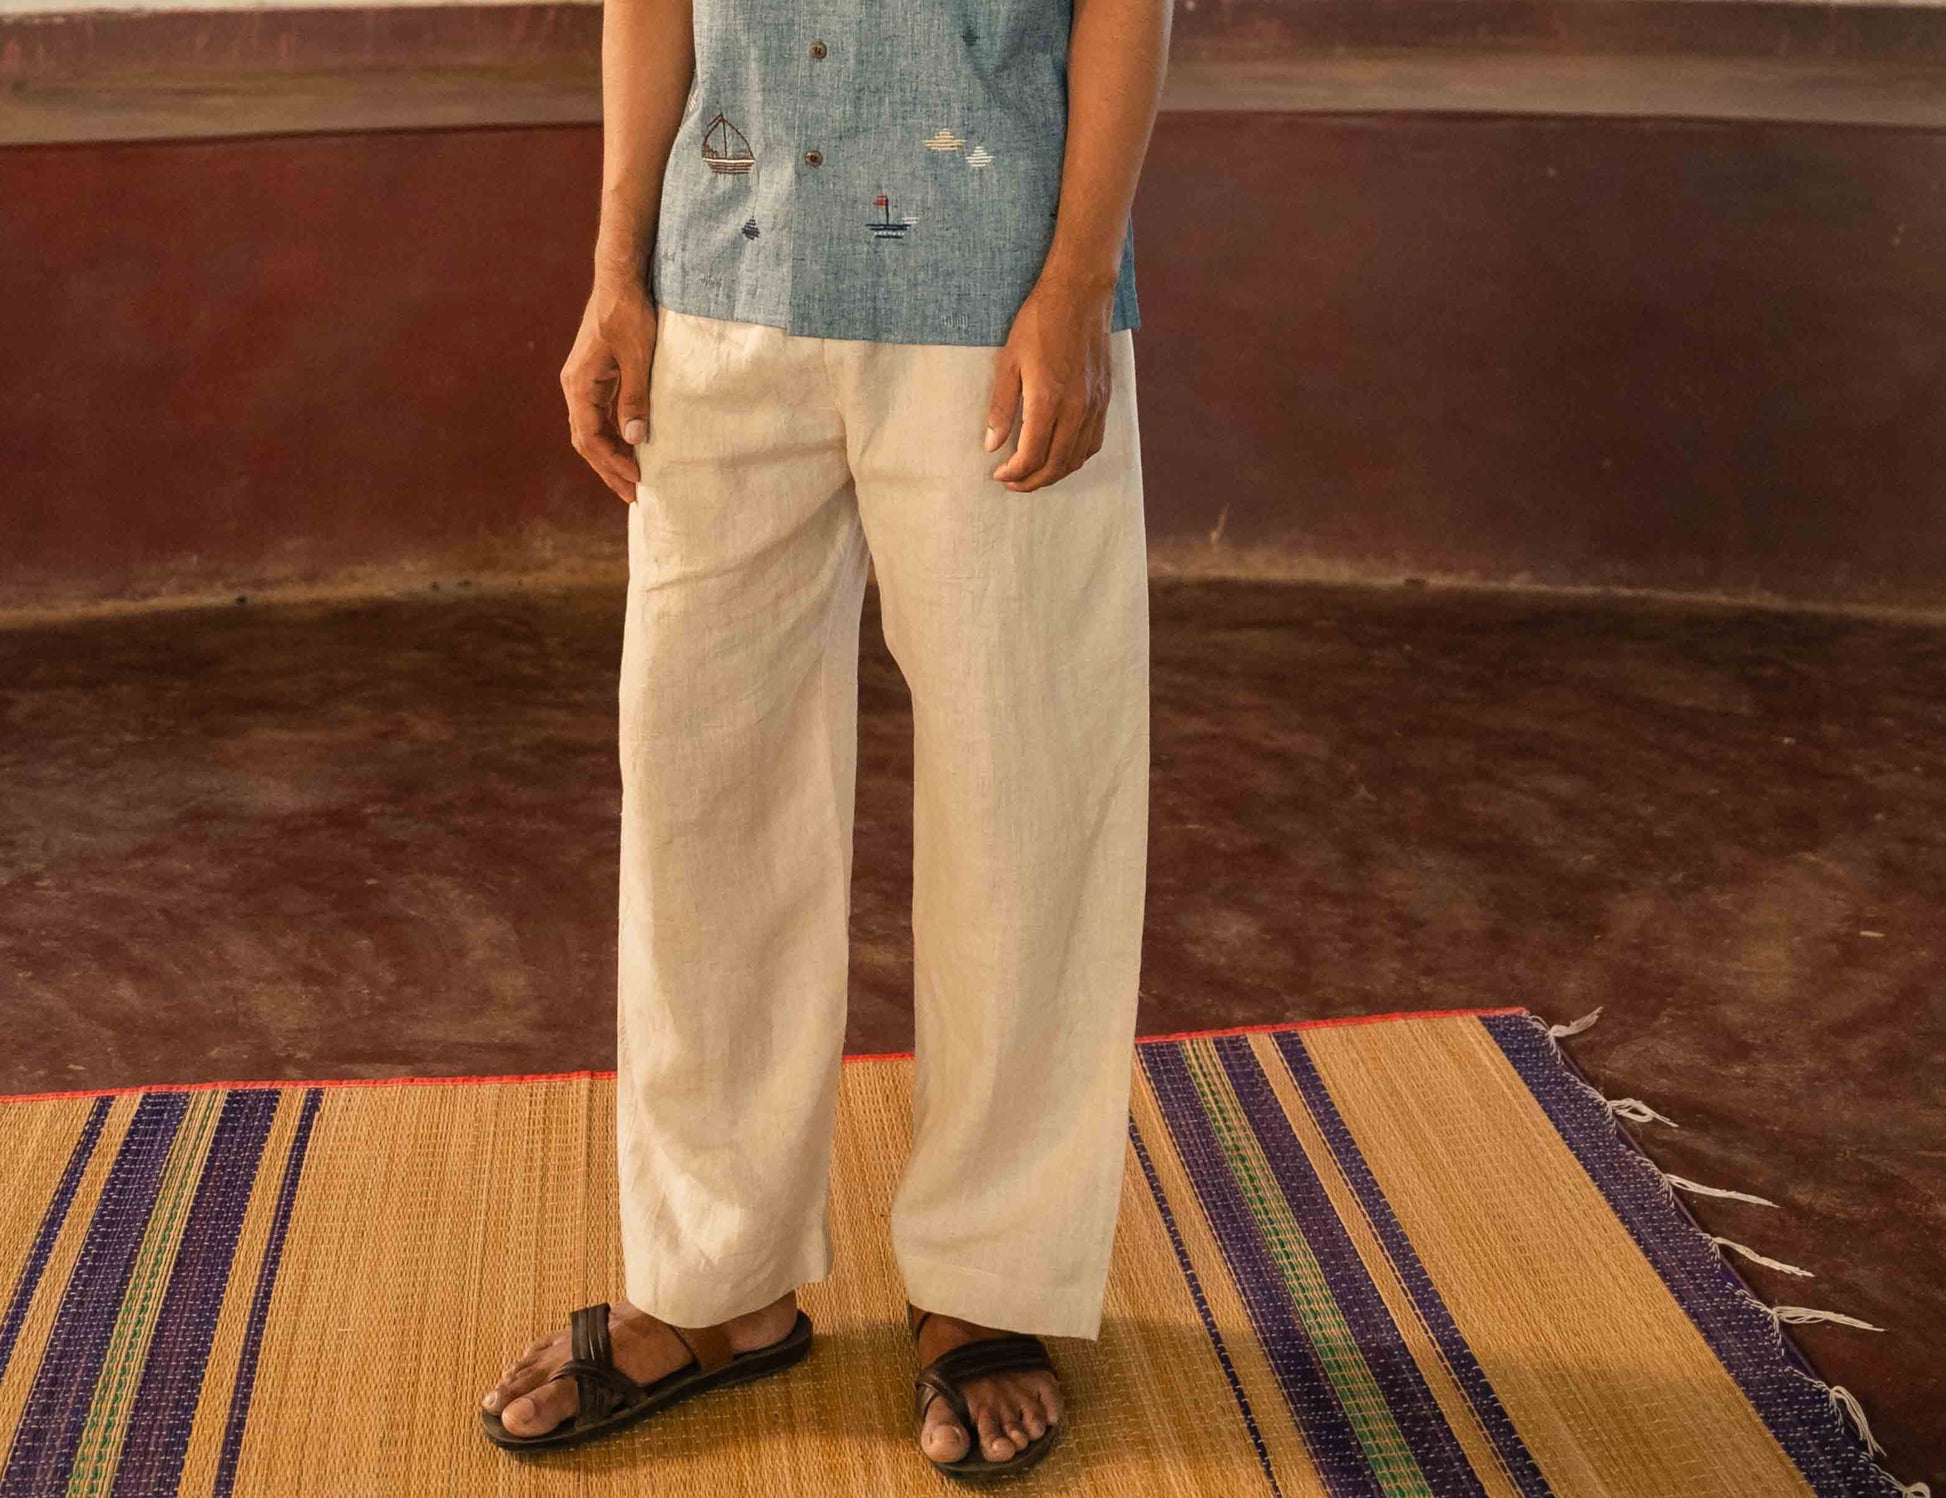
(1124, 319)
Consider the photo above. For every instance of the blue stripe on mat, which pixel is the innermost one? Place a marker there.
(1743, 1336)
(1521, 1468)
(49, 1432)
(1314, 1404)
(172, 1376)
(52, 1221)
(1195, 1284)
(1418, 1415)
(253, 1336)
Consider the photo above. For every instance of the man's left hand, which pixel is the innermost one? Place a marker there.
(1054, 376)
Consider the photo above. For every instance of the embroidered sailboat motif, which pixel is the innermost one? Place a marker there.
(887, 227)
(943, 140)
(725, 148)
(979, 156)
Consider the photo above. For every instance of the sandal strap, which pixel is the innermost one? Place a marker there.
(927, 1387)
(945, 1376)
(1013, 1353)
(588, 1336)
(708, 1345)
(601, 1386)
(602, 1391)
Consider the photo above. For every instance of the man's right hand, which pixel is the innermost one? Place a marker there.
(606, 381)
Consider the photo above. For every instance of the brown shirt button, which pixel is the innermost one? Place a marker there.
(814, 158)
(819, 51)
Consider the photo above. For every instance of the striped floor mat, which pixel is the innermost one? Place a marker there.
(1368, 1260)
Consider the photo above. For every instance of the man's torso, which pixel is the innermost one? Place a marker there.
(876, 169)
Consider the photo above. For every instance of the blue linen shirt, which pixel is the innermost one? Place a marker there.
(877, 169)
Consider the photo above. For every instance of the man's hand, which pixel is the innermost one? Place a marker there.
(1054, 370)
(606, 380)
(1054, 374)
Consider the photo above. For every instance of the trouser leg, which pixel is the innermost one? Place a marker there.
(738, 742)
(1021, 624)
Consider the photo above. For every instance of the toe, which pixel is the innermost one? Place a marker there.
(943, 1438)
(523, 1378)
(1050, 1401)
(1013, 1419)
(993, 1439)
(523, 1375)
(539, 1412)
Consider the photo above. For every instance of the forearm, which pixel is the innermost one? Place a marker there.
(648, 54)
(1117, 56)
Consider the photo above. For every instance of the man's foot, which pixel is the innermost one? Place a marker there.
(1010, 1409)
(529, 1405)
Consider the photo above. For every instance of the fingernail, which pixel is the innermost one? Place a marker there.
(492, 1401)
(636, 430)
(994, 438)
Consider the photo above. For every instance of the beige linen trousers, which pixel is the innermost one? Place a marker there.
(776, 466)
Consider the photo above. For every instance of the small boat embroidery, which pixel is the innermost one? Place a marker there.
(750, 230)
(978, 157)
(943, 140)
(725, 148)
(888, 227)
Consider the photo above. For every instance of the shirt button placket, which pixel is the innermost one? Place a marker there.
(808, 273)
(818, 54)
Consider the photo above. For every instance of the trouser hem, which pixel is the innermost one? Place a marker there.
(1008, 1302)
(713, 1299)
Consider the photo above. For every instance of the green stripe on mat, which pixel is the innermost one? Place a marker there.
(1351, 1377)
(101, 1438)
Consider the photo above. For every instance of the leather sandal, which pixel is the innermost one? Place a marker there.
(943, 1378)
(612, 1401)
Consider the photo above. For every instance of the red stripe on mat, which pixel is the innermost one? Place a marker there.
(576, 1076)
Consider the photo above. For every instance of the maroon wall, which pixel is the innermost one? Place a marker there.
(276, 357)
(296, 39)
(1666, 353)
(1698, 355)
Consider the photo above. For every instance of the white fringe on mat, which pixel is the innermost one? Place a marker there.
(1586, 1022)
(1845, 1403)
(1844, 1406)
(1636, 1111)
(1694, 1189)
(1806, 1316)
(1756, 1258)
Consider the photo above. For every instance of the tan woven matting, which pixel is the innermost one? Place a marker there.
(1411, 1257)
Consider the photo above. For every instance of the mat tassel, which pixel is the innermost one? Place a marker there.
(1756, 1258)
(1696, 1189)
(1807, 1316)
(1847, 1404)
(1576, 1027)
(1636, 1111)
